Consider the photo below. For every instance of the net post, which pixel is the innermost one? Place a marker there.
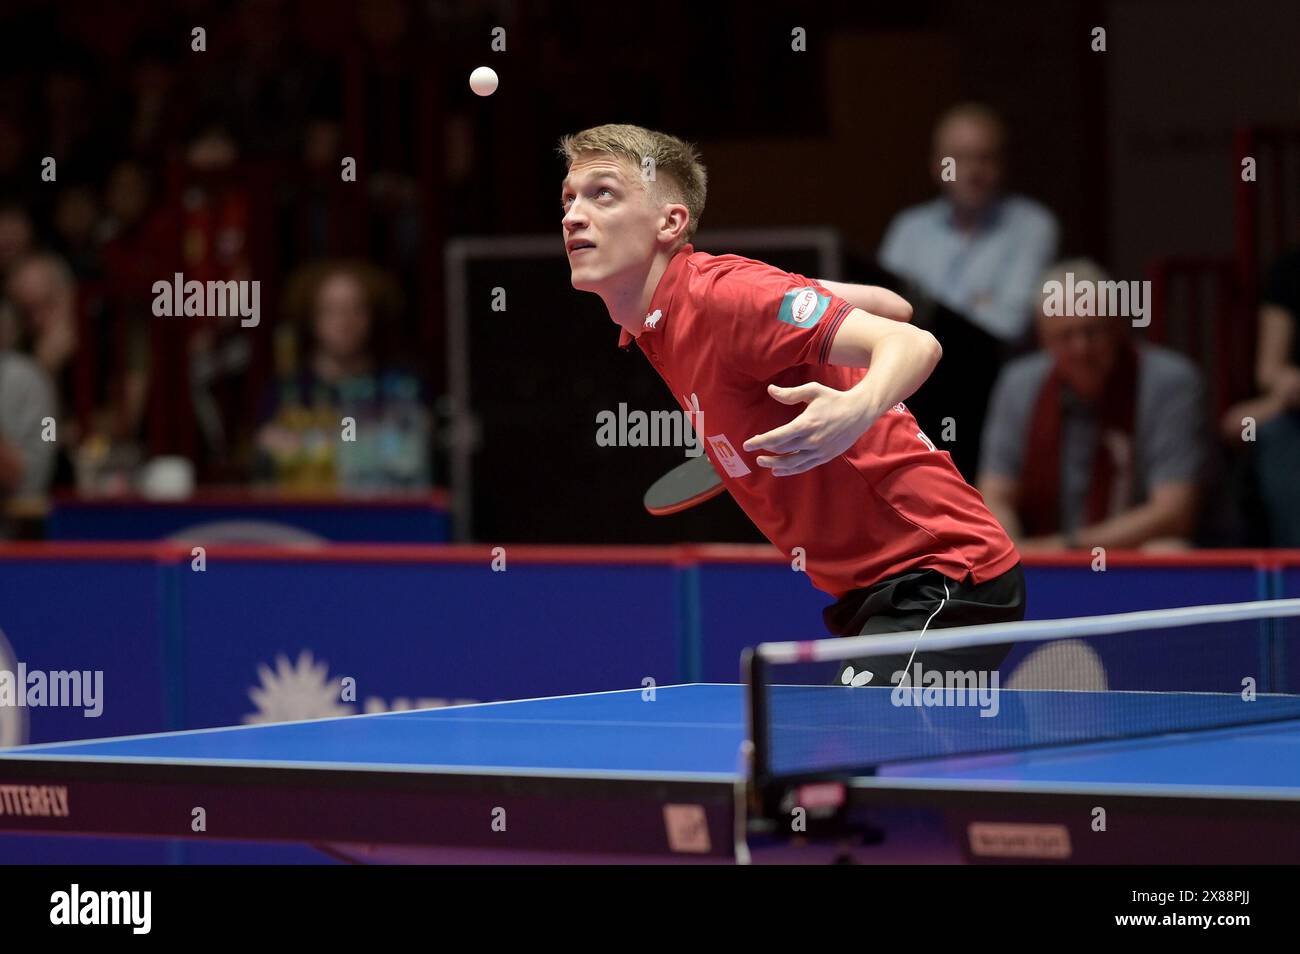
(753, 672)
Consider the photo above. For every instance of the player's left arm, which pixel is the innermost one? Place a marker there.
(898, 357)
(872, 299)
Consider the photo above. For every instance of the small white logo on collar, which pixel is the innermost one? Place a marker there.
(653, 319)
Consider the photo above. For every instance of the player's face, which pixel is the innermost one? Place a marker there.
(1083, 349)
(609, 223)
(976, 148)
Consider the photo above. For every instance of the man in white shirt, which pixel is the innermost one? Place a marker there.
(975, 249)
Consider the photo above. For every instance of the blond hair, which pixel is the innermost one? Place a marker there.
(679, 175)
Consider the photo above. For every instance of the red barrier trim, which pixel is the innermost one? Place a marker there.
(1263, 559)
(91, 550)
(1258, 559)
(735, 553)
(168, 552)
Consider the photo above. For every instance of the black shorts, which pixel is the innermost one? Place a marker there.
(924, 600)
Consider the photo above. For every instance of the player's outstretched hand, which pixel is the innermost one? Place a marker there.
(828, 426)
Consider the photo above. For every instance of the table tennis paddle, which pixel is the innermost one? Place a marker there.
(683, 487)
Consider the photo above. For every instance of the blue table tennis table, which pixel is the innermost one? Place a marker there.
(660, 775)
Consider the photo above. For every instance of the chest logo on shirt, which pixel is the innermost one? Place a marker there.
(728, 459)
(803, 307)
(652, 319)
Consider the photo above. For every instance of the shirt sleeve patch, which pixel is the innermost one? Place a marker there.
(803, 307)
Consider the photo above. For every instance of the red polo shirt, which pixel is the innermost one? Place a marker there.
(721, 328)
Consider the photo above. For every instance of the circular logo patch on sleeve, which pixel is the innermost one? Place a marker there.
(803, 307)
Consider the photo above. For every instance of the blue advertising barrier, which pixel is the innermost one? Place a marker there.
(1287, 654)
(272, 640)
(1189, 660)
(84, 616)
(742, 604)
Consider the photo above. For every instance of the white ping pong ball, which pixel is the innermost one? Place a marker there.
(483, 81)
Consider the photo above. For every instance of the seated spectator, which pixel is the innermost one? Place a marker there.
(76, 221)
(26, 458)
(215, 211)
(1094, 441)
(342, 314)
(16, 238)
(43, 294)
(974, 249)
(1276, 411)
(127, 199)
(138, 245)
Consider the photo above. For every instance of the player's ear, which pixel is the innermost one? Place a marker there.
(676, 219)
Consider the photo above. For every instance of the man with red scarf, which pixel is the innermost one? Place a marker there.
(1097, 440)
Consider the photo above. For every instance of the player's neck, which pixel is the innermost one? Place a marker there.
(629, 304)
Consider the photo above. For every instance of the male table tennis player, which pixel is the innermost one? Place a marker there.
(797, 385)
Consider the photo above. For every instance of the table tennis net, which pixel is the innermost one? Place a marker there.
(851, 705)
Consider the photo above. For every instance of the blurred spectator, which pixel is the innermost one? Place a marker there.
(1276, 411)
(139, 236)
(149, 101)
(314, 227)
(214, 213)
(138, 248)
(66, 112)
(974, 249)
(16, 236)
(76, 221)
(212, 148)
(102, 410)
(43, 293)
(343, 315)
(13, 148)
(126, 199)
(26, 459)
(1094, 441)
